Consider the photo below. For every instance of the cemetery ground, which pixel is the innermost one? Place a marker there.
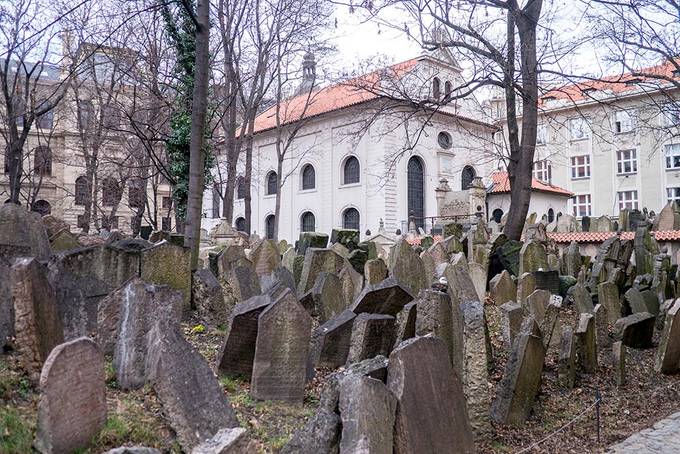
(135, 417)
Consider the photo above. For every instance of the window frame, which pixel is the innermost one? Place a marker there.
(625, 202)
(577, 206)
(575, 165)
(618, 122)
(303, 176)
(344, 218)
(671, 113)
(545, 170)
(345, 162)
(305, 217)
(43, 169)
(675, 155)
(622, 160)
(676, 197)
(542, 134)
(268, 182)
(584, 129)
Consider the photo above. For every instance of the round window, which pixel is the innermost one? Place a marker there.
(444, 139)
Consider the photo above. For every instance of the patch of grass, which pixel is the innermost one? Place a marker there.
(198, 329)
(231, 385)
(128, 426)
(15, 433)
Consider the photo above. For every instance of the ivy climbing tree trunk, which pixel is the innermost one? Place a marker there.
(199, 108)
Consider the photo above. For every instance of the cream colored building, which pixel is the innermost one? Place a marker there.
(54, 179)
(613, 143)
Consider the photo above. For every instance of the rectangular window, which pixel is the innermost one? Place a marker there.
(673, 194)
(673, 156)
(623, 122)
(581, 205)
(541, 135)
(626, 162)
(628, 199)
(580, 166)
(579, 128)
(671, 113)
(543, 170)
(81, 221)
(167, 203)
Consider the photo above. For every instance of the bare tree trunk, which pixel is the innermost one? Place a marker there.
(247, 178)
(198, 113)
(277, 210)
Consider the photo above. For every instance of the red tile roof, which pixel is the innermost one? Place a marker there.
(600, 237)
(616, 84)
(501, 184)
(416, 241)
(331, 98)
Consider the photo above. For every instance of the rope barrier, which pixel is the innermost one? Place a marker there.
(576, 418)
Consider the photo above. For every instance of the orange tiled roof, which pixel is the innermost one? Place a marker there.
(615, 84)
(416, 241)
(600, 237)
(501, 184)
(333, 97)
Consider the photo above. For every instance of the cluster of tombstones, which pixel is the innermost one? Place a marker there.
(407, 336)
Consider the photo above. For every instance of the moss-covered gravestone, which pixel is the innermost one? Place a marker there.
(168, 264)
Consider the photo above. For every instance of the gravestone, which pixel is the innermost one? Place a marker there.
(208, 297)
(552, 313)
(72, 407)
(367, 409)
(372, 335)
(22, 233)
(587, 343)
(406, 323)
(581, 298)
(6, 305)
(502, 288)
(288, 259)
(478, 275)
(406, 265)
(537, 304)
(265, 257)
(636, 301)
(225, 441)
(340, 250)
(375, 271)
(635, 330)
(476, 356)
(511, 322)
(311, 239)
(387, 297)
(566, 375)
(619, 363)
(608, 296)
(37, 325)
(331, 341)
(435, 316)
(431, 414)
(167, 264)
(526, 285)
(460, 285)
(63, 240)
(668, 353)
(192, 398)
(228, 258)
(347, 237)
(547, 280)
(281, 277)
(668, 218)
(316, 261)
(242, 280)
(238, 349)
(571, 260)
(508, 255)
(124, 320)
(281, 350)
(522, 377)
(325, 299)
(601, 328)
(532, 257)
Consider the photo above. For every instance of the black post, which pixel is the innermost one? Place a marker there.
(598, 398)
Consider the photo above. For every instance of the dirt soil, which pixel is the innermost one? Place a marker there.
(136, 418)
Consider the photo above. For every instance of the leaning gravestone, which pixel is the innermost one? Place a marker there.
(511, 322)
(431, 415)
(587, 344)
(265, 257)
(243, 281)
(372, 335)
(435, 316)
(460, 285)
(281, 350)
(168, 264)
(619, 363)
(38, 328)
(375, 271)
(478, 275)
(208, 297)
(326, 298)
(476, 355)
(502, 288)
(311, 239)
(238, 349)
(22, 233)
(580, 295)
(635, 330)
(668, 353)
(187, 388)
(522, 377)
(566, 372)
(72, 408)
(316, 261)
(532, 257)
(537, 303)
(406, 323)
(331, 341)
(608, 296)
(367, 409)
(387, 297)
(407, 266)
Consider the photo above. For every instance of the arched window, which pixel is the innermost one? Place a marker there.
(307, 222)
(111, 192)
(45, 120)
(82, 192)
(240, 188)
(240, 224)
(416, 190)
(216, 198)
(41, 207)
(269, 223)
(136, 193)
(350, 219)
(272, 183)
(85, 114)
(551, 215)
(308, 177)
(497, 215)
(42, 160)
(467, 176)
(436, 89)
(447, 90)
(350, 171)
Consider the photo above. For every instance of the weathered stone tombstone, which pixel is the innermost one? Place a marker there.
(668, 218)
(191, 396)
(265, 257)
(406, 323)
(372, 335)
(281, 350)
(587, 343)
(38, 327)
(526, 285)
(331, 341)
(326, 298)
(238, 349)
(406, 265)
(72, 408)
(242, 280)
(460, 285)
(522, 377)
(431, 414)
(635, 330)
(375, 271)
(502, 288)
(435, 315)
(22, 233)
(511, 322)
(225, 441)
(311, 239)
(668, 354)
(619, 363)
(532, 257)
(367, 409)
(387, 297)
(478, 275)
(608, 296)
(552, 313)
(581, 298)
(314, 262)
(601, 328)
(537, 303)
(571, 260)
(208, 297)
(167, 264)
(567, 358)
(547, 280)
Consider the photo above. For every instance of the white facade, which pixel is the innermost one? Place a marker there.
(329, 140)
(541, 203)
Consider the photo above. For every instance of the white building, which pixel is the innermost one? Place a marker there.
(345, 171)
